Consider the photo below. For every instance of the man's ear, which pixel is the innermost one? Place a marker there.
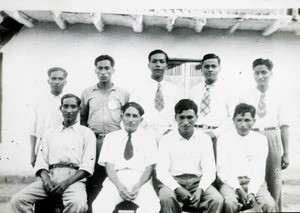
(142, 120)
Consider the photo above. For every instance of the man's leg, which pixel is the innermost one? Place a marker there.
(230, 198)
(265, 200)
(147, 199)
(24, 200)
(168, 201)
(75, 198)
(107, 199)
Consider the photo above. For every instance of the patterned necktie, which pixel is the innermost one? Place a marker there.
(128, 152)
(204, 107)
(261, 108)
(159, 99)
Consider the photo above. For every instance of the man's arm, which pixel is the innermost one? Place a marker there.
(48, 184)
(113, 176)
(33, 140)
(144, 178)
(84, 112)
(284, 131)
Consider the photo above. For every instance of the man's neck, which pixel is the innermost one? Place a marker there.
(55, 94)
(186, 135)
(105, 86)
(210, 82)
(68, 124)
(160, 79)
(262, 88)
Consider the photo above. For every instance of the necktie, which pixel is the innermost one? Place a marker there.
(261, 108)
(204, 107)
(159, 99)
(128, 152)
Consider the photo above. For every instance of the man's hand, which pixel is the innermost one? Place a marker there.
(124, 193)
(242, 196)
(183, 194)
(48, 184)
(60, 187)
(284, 161)
(135, 190)
(33, 159)
(195, 198)
(250, 198)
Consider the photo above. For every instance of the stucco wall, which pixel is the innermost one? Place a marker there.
(30, 53)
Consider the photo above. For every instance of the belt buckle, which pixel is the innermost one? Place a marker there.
(100, 135)
(205, 126)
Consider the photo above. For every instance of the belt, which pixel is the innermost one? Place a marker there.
(264, 129)
(205, 126)
(64, 165)
(100, 135)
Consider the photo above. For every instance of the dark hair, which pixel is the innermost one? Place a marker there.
(135, 105)
(243, 108)
(185, 104)
(69, 95)
(156, 52)
(105, 57)
(260, 61)
(211, 56)
(54, 69)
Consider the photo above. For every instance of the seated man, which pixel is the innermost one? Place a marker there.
(186, 165)
(129, 156)
(67, 156)
(241, 164)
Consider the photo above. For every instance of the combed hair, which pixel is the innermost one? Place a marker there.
(54, 69)
(211, 56)
(135, 105)
(104, 57)
(157, 52)
(69, 95)
(243, 108)
(260, 61)
(185, 104)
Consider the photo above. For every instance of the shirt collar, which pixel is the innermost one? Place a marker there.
(75, 127)
(180, 138)
(111, 89)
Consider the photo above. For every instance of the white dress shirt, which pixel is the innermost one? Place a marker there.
(240, 156)
(221, 105)
(278, 113)
(155, 121)
(179, 156)
(144, 150)
(46, 114)
(75, 144)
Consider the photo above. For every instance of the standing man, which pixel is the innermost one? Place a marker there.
(101, 112)
(213, 99)
(46, 112)
(158, 96)
(129, 156)
(186, 165)
(241, 164)
(66, 158)
(272, 115)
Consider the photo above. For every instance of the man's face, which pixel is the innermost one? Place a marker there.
(158, 65)
(243, 123)
(262, 75)
(70, 110)
(57, 81)
(131, 119)
(186, 121)
(210, 70)
(104, 71)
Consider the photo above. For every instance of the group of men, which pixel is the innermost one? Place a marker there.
(207, 152)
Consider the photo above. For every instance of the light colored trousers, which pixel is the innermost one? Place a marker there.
(263, 198)
(74, 197)
(109, 197)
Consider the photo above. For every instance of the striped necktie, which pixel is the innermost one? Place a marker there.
(159, 99)
(204, 107)
(128, 152)
(261, 108)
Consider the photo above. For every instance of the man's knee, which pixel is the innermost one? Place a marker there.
(17, 200)
(267, 204)
(230, 204)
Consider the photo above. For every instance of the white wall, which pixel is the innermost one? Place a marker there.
(29, 54)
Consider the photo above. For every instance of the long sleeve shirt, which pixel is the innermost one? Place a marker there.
(277, 106)
(221, 106)
(45, 115)
(103, 110)
(179, 156)
(240, 156)
(75, 144)
(144, 150)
